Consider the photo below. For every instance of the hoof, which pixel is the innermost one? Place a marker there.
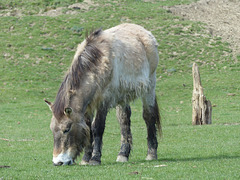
(151, 157)
(83, 163)
(122, 159)
(94, 163)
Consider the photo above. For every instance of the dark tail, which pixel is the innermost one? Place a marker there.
(158, 118)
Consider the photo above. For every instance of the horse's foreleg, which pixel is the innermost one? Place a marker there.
(98, 127)
(151, 117)
(89, 148)
(123, 115)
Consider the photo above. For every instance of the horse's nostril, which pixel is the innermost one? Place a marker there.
(58, 164)
(69, 163)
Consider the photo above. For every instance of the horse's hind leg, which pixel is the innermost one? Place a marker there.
(152, 118)
(123, 115)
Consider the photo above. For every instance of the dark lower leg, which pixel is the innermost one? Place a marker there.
(151, 116)
(98, 130)
(88, 149)
(87, 155)
(123, 115)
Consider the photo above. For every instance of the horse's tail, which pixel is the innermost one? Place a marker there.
(158, 118)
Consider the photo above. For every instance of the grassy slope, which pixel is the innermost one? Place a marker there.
(35, 53)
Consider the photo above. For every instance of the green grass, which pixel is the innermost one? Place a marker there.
(36, 51)
(35, 6)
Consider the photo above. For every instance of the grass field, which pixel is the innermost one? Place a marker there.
(37, 50)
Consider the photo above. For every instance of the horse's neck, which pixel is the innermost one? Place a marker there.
(83, 97)
(89, 93)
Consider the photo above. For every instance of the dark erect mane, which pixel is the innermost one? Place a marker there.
(87, 61)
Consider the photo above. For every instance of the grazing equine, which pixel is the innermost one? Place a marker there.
(110, 69)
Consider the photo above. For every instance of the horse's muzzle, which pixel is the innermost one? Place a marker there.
(61, 163)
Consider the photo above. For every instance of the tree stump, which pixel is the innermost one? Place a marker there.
(201, 107)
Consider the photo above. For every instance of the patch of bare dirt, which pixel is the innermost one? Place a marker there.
(11, 12)
(72, 9)
(221, 16)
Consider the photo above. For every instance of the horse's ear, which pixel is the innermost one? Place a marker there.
(49, 104)
(68, 111)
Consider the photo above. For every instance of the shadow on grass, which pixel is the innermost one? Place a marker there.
(219, 157)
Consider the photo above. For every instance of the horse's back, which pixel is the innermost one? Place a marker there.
(135, 46)
(133, 58)
(134, 54)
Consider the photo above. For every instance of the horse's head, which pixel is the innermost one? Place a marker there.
(71, 135)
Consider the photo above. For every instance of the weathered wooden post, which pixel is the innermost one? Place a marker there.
(201, 107)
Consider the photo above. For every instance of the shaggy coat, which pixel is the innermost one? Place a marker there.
(110, 69)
